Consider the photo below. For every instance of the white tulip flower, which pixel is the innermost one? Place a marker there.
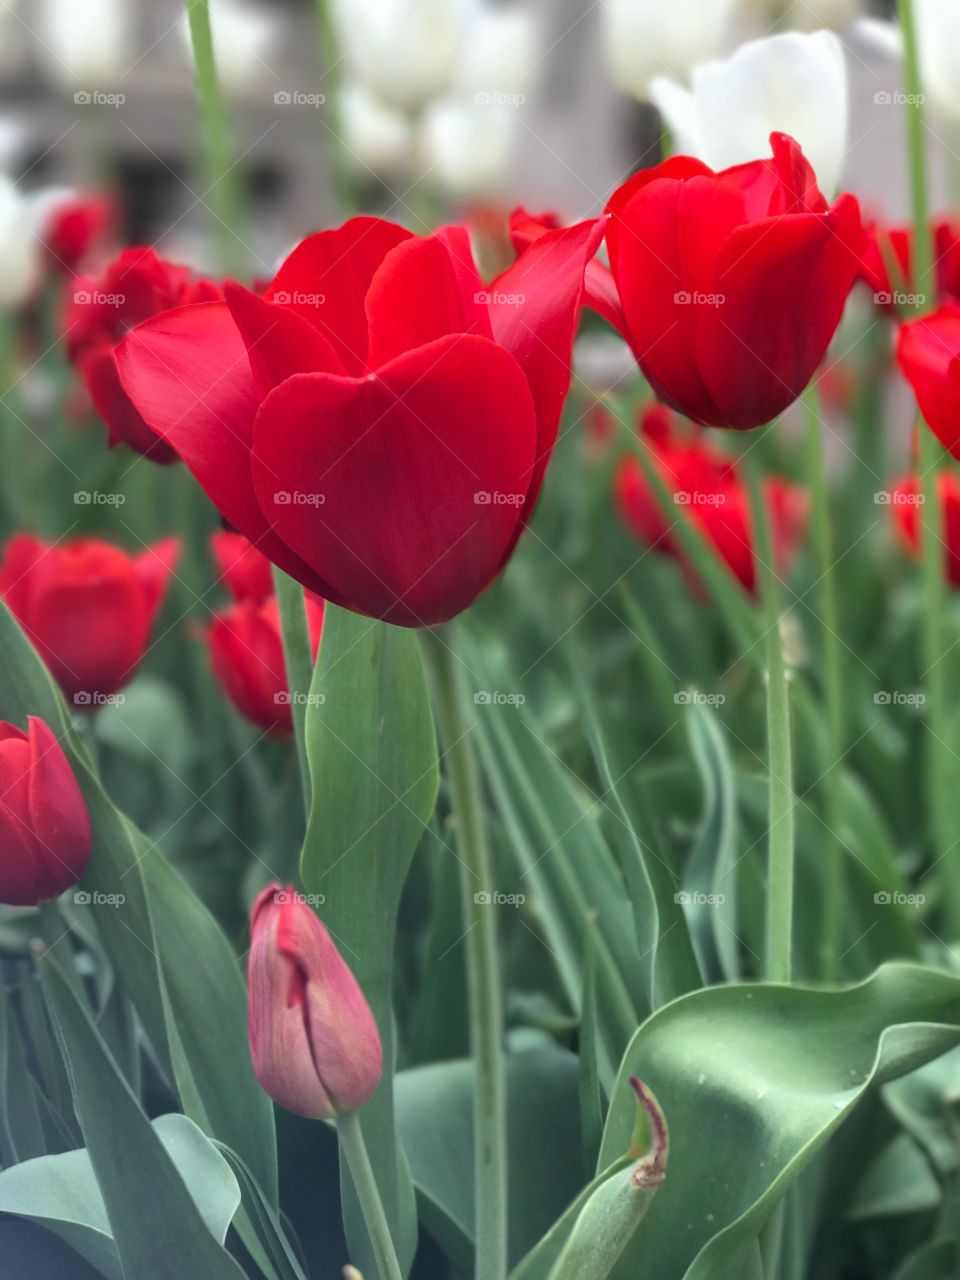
(20, 247)
(85, 44)
(790, 83)
(376, 136)
(468, 146)
(649, 38)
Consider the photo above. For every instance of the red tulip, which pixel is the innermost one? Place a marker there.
(45, 833)
(732, 284)
(379, 422)
(314, 1042)
(246, 651)
(887, 265)
(905, 501)
(705, 483)
(246, 569)
(136, 285)
(86, 606)
(75, 227)
(928, 350)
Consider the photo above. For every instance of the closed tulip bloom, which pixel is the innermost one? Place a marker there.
(379, 422)
(244, 568)
(137, 284)
(87, 607)
(45, 833)
(905, 500)
(73, 226)
(644, 38)
(928, 351)
(788, 83)
(706, 484)
(314, 1042)
(246, 653)
(732, 284)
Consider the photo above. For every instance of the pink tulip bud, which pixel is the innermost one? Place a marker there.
(314, 1042)
(45, 833)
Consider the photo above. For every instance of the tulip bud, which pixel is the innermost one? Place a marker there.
(244, 567)
(313, 1039)
(45, 833)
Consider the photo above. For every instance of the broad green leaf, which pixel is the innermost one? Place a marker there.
(61, 1193)
(373, 766)
(158, 1230)
(925, 1104)
(898, 1181)
(754, 1079)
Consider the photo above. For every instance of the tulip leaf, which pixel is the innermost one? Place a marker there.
(374, 776)
(60, 1192)
(21, 1131)
(755, 1079)
(159, 1232)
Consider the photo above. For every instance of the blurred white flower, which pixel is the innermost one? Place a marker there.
(501, 51)
(376, 136)
(20, 248)
(648, 38)
(85, 44)
(468, 147)
(792, 83)
(938, 40)
(244, 37)
(405, 51)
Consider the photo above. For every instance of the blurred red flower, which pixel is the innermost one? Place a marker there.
(134, 286)
(87, 607)
(77, 227)
(380, 421)
(732, 284)
(905, 502)
(706, 484)
(928, 351)
(887, 265)
(246, 570)
(45, 832)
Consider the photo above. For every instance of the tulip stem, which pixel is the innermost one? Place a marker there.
(361, 1171)
(833, 854)
(298, 660)
(780, 833)
(222, 187)
(486, 1012)
(334, 102)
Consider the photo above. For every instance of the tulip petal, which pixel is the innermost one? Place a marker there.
(58, 815)
(153, 569)
(279, 341)
(928, 352)
(338, 266)
(395, 462)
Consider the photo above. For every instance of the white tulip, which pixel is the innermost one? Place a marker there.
(20, 248)
(501, 52)
(648, 38)
(468, 147)
(376, 136)
(938, 35)
(85, 44)
(790, 83)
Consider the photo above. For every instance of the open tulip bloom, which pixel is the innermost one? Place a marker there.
(379, 422)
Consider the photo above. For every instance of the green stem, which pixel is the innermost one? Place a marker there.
(779, 753)
(486, 1012)
(361, 1171)
(831, 653)
(298, 659)
(333, 101)
(222, 187)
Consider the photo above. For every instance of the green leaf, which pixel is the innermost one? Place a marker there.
(898, 1181)
(755, 1079)
(60, 1192)
(158, 1230)
(374, 776)
(21, 1132)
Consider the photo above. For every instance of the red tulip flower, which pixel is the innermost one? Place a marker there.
(75, 227)
(887, 265)
(246, 651)
(136, 285)
(928, 351)
(731, 284)
(313, 1039)
(87, 607)
(245, 569)
(380, 421)
(905, 500)
(45, 833)
(706, 484)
